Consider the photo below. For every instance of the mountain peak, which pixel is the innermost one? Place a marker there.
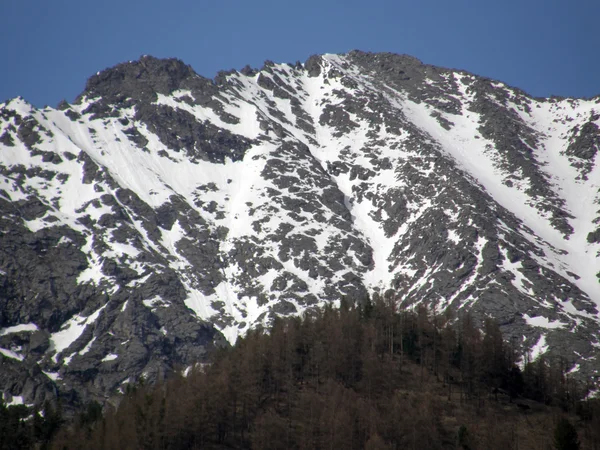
(139, 79)
(164, 212)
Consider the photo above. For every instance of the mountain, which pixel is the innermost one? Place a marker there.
(163, 213)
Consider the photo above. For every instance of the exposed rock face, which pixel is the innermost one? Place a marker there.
(163, 212)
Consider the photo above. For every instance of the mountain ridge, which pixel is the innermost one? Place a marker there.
(173, 209)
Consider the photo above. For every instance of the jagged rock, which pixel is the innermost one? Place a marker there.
(184, 211)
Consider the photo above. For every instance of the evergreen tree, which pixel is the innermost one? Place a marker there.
(565, 436)
(15, 432)
(338, 378)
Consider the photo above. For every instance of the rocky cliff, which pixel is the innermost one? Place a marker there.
(163, 213)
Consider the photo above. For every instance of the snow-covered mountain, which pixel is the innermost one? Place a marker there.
(163, 212)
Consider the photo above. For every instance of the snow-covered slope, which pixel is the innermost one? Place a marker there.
(163, 211)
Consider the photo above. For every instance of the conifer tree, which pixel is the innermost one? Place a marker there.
(565, 436)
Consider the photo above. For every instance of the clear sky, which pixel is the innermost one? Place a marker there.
(546, 47)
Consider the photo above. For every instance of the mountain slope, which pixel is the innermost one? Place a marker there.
(163, 211)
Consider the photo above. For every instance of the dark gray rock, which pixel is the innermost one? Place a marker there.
(283, 229)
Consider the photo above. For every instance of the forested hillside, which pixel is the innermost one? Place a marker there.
(352, 378)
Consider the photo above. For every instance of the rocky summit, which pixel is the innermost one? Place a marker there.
(163, 213)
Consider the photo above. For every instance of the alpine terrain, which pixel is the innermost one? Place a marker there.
(163, 213)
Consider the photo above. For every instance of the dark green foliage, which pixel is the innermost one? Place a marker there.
(463, 438)
(367, 310)
(91, 414)
(46, 427)
(14, 430)
(565, 436)
(514, 383)
(24, 428)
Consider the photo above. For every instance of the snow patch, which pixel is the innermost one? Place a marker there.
(70, 332)
(54, 376)
(110, 357)
(539, 348)
(154, 302)
(11, 354)
(18, 329)
(16, 400)
(543, 322)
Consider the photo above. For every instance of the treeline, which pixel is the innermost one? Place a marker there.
(22, 427)
(367, 377)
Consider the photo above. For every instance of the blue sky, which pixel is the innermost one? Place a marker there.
(49, 49)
